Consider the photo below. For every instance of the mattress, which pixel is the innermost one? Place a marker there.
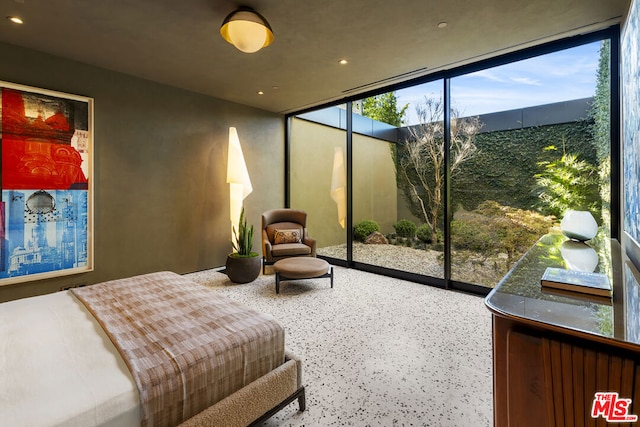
(59, 368)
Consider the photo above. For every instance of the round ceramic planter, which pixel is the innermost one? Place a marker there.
(243, 269)
(579, 225)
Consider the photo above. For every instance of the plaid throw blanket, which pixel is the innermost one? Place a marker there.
(186, 346)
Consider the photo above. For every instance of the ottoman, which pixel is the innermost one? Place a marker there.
(301, 268)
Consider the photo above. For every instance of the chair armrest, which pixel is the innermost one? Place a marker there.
(266, 245)
(309, 242)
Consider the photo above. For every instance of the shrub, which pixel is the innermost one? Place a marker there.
(423, 233)
(492, 229)
(405, 228)
(473, 234)
(364, 228)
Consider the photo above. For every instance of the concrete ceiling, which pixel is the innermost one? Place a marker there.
(177, 42)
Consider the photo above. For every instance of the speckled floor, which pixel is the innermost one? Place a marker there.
(378, 351)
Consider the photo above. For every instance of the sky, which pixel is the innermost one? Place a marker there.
(559, 76)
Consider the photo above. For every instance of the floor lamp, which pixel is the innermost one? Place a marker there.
(237, 178)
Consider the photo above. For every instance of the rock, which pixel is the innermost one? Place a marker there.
(376, 238)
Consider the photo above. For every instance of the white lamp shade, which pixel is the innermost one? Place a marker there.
(237, 176)
(247, 30)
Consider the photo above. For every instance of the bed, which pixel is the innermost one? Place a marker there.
(150, 350)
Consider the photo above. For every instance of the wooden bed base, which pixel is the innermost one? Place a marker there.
(258, 401)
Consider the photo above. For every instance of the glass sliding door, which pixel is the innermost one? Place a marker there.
(397, 185)
(529, 145)
(317, 159)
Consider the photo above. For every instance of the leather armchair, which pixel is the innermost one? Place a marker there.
(284, 235)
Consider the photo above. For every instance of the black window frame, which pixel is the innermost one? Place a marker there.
(611, 33)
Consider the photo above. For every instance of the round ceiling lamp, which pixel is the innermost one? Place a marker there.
(247, 30)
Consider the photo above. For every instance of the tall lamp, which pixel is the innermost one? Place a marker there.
(237, 178)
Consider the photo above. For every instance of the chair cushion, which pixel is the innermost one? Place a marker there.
(287, 236)
(290, 249)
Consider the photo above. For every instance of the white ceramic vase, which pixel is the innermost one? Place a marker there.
(579, 225)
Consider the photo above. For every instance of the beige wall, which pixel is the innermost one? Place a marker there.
(375, 192)
(311, 159)
(161, 200)
(374, 185)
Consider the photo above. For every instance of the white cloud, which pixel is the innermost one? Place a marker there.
(526, 81)
(489, 74)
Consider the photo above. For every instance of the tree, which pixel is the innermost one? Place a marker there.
(601, 115)
(384, 108)
(600, 110)
(420, 160)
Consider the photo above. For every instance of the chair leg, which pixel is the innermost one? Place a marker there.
(277, 282)
(331, 272)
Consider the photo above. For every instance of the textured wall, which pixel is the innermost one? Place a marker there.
(160, 197)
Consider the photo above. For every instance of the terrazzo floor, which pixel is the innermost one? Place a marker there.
(378, 351)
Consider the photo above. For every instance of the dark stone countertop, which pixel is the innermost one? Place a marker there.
(520, 296)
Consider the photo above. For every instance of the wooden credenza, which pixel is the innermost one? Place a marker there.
(552, 353)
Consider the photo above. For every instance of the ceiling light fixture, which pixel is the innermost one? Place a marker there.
(343, 62)
(15, 19)
(442, 24)
(247, 30)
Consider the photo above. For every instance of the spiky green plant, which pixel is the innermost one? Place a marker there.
(242, 241)
(567, 183)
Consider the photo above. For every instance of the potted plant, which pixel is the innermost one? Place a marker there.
(243, 265)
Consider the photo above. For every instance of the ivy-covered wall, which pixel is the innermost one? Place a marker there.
(504, 168)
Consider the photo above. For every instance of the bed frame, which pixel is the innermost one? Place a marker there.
(267, 396)
(44, 320)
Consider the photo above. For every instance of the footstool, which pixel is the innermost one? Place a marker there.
(301, 268)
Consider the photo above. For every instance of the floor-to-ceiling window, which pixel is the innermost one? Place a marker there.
(454, 177)
(533, 151)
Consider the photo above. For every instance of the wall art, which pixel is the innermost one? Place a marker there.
(630, 70)
(46, 214)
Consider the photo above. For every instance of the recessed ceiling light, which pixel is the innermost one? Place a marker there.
(442, 24)
(260, 92)
(343, 62)
(15, 19)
